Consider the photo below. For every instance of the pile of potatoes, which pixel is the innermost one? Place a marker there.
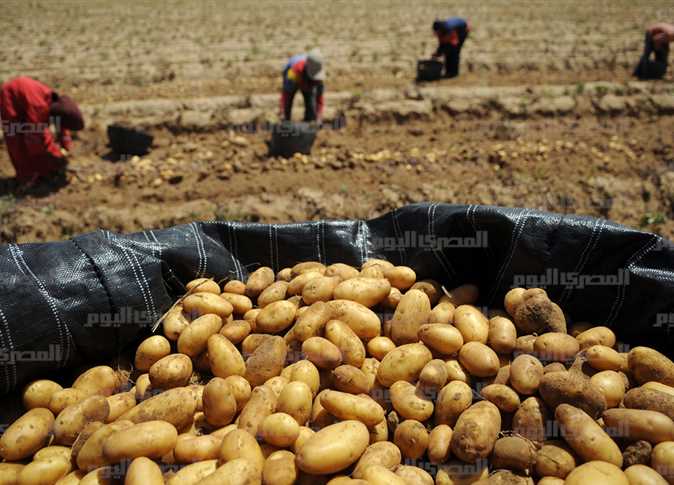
(332, 374)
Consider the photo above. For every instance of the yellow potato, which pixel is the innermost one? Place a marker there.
(72, 419)
(502, 336)
(363, 321)
(596, 336)
(101, 380)
(463, 295)
(646, 364)
(344, 271)
(53, 450)
(383, 453)
(478, 359)
(531, 419)
(455, 472)
(280, 430)
(393, 299)
(174, 370)
(346, 340)
(236, 331)
(657, 386)
(194, 339)
(432, 289)
(275, 317)
(438, 443)
(597, 472)
(9, 473)
(513, 453)
(38, 393)
(304, 435)
(297, 284)
(639, 424)
(502, 396)
(48, 470)
(602, 357)
(321, 352)
(152, 439)
(203, 285)
(240, 303)
(403, 363)
(175, 406)
(513, 299)
(266, 362)
(258, 280)
(200, 304)
(443, 312)
(224, 358)
(434, 374)
(412, 438)
(241, 444)
(303, 371)
(472, 324)
(410, 402)
(611, 385)
(526, 372)
(238, 471)
(234, 286)
(261, 404)
(644, 475)
(556, 347)
(347, 378)
(143, 471)
(350, 407)
(378, 347)
(456, 372)
(72, 478)
(333, 448)
(280, 468)
(410, 314)
(150, 351)
(662, 460)
(554, 459)
(274, 292)
(476, 431)
(311, 322)
(320, 289)
(219, 403)
(400, 277)
(413, 475)
(441, 337)
(452, 400)
(174, 323)
(586, 437)
(26, 435)
(192, 474)
(90, 456)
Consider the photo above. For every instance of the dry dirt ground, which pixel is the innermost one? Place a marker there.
(544, 115)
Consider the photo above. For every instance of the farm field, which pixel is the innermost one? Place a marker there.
(544, 115)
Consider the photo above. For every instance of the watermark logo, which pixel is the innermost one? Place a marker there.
(570, 280)
(123, 317)
(54, 353)
(664, 320)
(13, 128)
(413, 239)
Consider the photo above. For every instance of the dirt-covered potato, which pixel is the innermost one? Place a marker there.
(452, 400)
(531, 419)
(513, 453)
(572, 387)
(554, 459)
(412, 438)
(538, 314)
(526, 373)
(502, 396)
(644, 398)
(476, 431)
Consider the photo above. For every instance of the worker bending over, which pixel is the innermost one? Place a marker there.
(658, 38)
(451, 34)
(303, 73)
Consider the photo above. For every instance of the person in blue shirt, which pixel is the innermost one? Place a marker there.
(451, 34)
(305, 73)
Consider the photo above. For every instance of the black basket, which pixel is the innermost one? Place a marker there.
(429, 70)
(290, 137)
(129, 141)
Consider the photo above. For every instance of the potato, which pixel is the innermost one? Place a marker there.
(434, 375)
(274, 292)
(412, 438)
(200, 304)
(9, 473)
(236, 331)
(455, 472)
(637, 453)
(513, 453)
(644, 475)
(333, 448)
(241, 444)
(224, 358)
(662, 460)
(192, 474)
(203, 285)
(239, 471)
(275, 317)
(143, 388)
(443, 312)
(191, 449)
(343, 271)
(276, 384)
(346, 406)
(174, 370)
(143, 471)
(393, 299)
(152, 439)
(304, 435)
(554, 459)
(194, 339)
(72, 419)
(90, 455)
(502, 396)
(410, 314)
(513, 299)
(321, 352)
(572, 387)
(383, 453)
(596, 336)
(531, 418)
(280, 468)
(363, 321)
(643, 398)
(101, 380)
(320, 289)
(476, 431)
(366, 291)
(379, 475)
(585, 436)
(472, 324)
(378, 347)
(478, 359)
(174, 322)
(48, 470)
(438, 443)
(440, 337)
(175, 406)
(456, 372)
(526, 373)
(260, 405)
(280, 430)
(524, 345)
(601, 357)
(258, 280)
(297, 284)
(611, 385)
(150, 351)
(410, 402)
(502, 336)
(240, 303)
(640, 424)
(303, 371)
(656, 386)
(432, 289)
(266, 362)
(597, 472)
(400, 277)
(646, 364)
(26, 435)
(556, 347)
(346, 340)
(404, 363)
(537, 314)
(234, 286)
(219, 403)
(38, 393)
(452, 400)
(347, 378)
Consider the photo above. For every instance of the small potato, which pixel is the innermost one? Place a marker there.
(611, 385)
(554, 459)
(194, 339)
(320, 289)
(304, 435)
(644, 475)
(456, 372)
(643, 398)
(472, 324)
(476, 431)
(438, 443)
(275, 317)
(236, 331)
(432, 289)
(413, 475)
(412, 439)
(379, 475)
(150, 351)
(479, 360)
(525, 344)
(434, 375)
(343, 271)
(119, 404)
(174, 323)
(280, 468)
(656, 386)
(502, 396)
(346, 340)
(513, 453)
(452, 400)
(274, 292)
(363, 321)
(308, 266)
(662, 460)
(531, 419)
(502, 335)
(143, 471)
(410, 402)
(333, 448)
(596, 336)
(602, 357)
(174, 370)
(443, 312)
(258, 280)
(152, 439)
(251, 317)
(382, 453)
(240, 389)
(346, 406)
(347, 378)
(200, 304)
(276, 384)
(203, 285)
(378, 347)
(175, 406)
(400, 277)
(572, 387)
(393, 299)
(260, 405)
(538, 314)
(647, 364)
(410, 314)
(585, 436)
(267, 361)
(38, 393)
(297, 284)
(597, 472)
(219, 404)
(192, 474)
(101, 380)
(404, 363)
(72, 419)
(239, 471)
(323, 353)
(26, 435)
(303, 371)
(440, 337)
(639, 424)
(556, 347)
(513, 299)
(234, 286)
(191, 449)
(241, 444)
(240, 303)
(90, 454)
(224, 358)
(526, 372)
(48, 470)
(280, 430)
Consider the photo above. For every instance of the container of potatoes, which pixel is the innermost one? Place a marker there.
(337, 374)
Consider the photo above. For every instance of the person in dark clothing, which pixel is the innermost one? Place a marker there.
(303, 73)
(656, 43)
(451, 34)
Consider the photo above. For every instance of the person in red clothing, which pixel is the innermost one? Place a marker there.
(27, 109)
(303, 73)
